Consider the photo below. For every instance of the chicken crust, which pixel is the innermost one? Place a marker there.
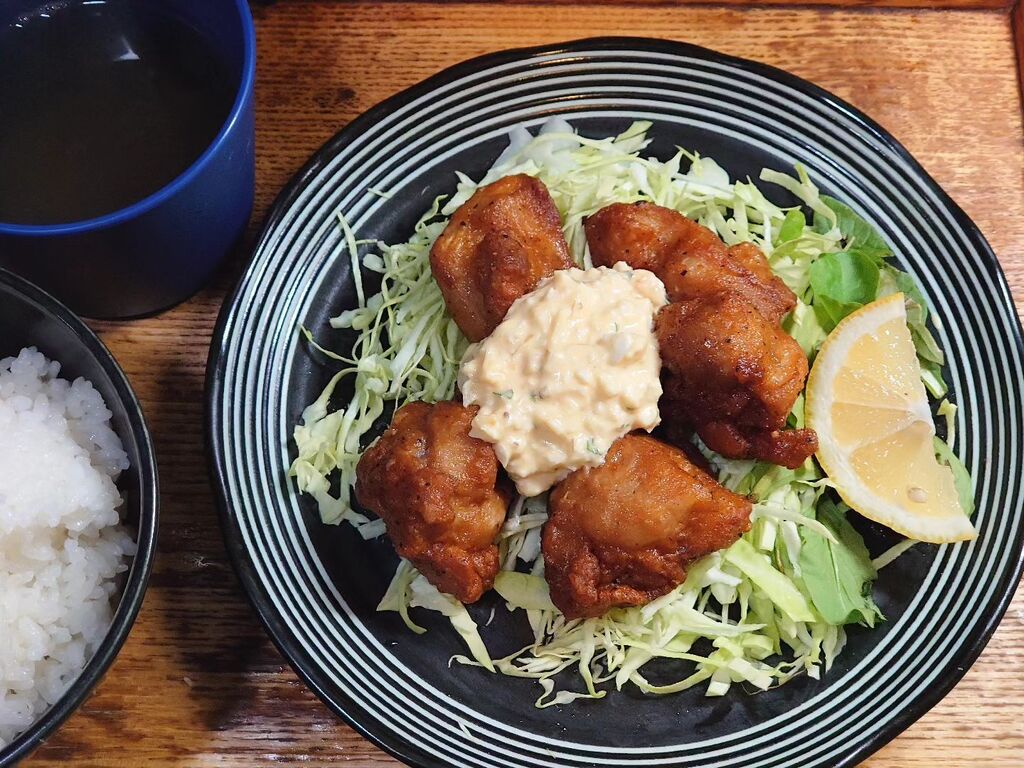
(624, 532)
(688, 258)
(498, 245)
(730, 372)
(438, 491)
(733, 375)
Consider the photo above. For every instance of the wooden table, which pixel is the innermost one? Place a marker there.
(198, 682)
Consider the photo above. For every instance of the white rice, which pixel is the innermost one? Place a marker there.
(61, 542)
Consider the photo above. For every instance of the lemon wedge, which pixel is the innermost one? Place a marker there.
(866, 401)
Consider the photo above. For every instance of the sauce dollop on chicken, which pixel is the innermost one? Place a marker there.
(573, 367)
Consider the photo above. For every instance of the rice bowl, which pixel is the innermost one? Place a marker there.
(62, 544)
(78, 514)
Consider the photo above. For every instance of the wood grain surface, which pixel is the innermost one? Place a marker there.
(1017, 25)
(1003, 5)
(198, 683)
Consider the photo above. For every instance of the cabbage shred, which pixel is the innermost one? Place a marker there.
(744, 615)
(407, 348)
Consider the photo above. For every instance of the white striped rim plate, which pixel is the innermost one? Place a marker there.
(315, 586)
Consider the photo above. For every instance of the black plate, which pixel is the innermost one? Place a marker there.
(316, 587)
(31, 318)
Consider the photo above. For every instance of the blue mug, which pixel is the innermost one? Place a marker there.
(162, 249)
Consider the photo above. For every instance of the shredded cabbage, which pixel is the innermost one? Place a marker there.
(407, 348)
(738, 618)
(743, 615)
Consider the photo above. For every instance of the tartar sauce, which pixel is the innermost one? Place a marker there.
(572, 367)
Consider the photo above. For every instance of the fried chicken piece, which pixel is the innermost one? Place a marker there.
(624, 532)
(786, 447)
(753, 258)
(499, 244)
(689, 259)
(437, 490)
(733, 375)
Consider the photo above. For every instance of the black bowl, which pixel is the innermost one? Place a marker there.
(30, 317)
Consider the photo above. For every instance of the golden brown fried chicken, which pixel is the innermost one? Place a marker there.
(689, 259)
(733, 375)
(437, 490)
(504, 240)
(787, 447)
(753, 258)
(623, 533)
